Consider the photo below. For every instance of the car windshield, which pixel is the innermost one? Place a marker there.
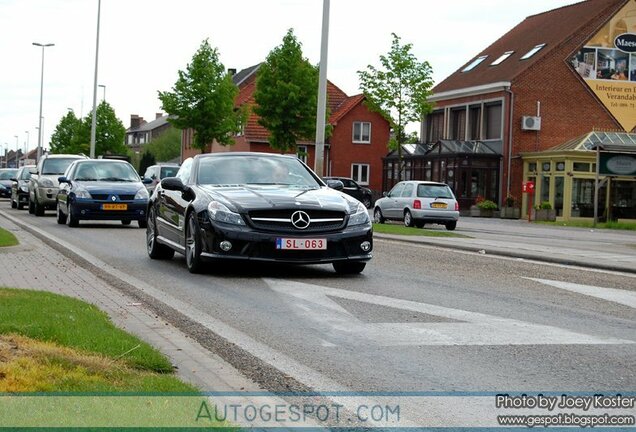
(55, 166)
(8, 174)
(168, 172)
(105, 171)
(255, 170)
(26, 174)
(434, 191)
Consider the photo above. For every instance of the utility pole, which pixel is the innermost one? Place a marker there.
(322, 93)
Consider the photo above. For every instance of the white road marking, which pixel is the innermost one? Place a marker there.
(624, 297)
(312, 302)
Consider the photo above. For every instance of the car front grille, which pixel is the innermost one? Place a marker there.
(281, 220)
(104, 197)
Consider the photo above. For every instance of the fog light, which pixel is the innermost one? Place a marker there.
(225, 246)
(83, 212)
(365, 246)
(141, 212)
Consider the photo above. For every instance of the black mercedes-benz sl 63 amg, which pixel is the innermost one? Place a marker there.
(256, 206)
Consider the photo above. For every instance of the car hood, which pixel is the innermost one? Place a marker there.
(6, 183)
(110, 187)
(246, 198)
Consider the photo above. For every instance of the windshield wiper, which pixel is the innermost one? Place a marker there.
(115, 179)
(86, 179)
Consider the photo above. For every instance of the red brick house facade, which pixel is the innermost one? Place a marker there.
(358, 141)
(531, 71)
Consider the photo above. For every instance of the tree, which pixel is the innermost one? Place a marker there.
(286, 94)
(203, 99)
(166, 146)
(399, 91)
(109, 133)
(65, 131)
(147, 159)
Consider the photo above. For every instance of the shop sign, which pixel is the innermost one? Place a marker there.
(626, 42)
(616, 164)
(607, 64)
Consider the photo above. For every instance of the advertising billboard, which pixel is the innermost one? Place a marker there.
(607, 63)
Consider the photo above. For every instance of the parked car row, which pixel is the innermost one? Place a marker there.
(214, 207)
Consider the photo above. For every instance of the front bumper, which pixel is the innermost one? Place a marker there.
(87, 209)
(4, 192)
(47, 196)
(249, 244)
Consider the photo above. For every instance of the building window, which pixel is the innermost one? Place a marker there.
(130, 139)
(474, 123)
(546, 166)
(532, 52)
(581, 167)
(472, 65)
(532, 167)
(435, 126)
(301, 153)
(560, 166)
(360, 173)
(361, 132)
(502, 59)
(458, 124)
(493, 120)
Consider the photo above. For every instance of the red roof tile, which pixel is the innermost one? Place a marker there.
(347, 105)
(551, 28)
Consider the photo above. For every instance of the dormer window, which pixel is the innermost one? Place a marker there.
(502, 58)
(532, 52)
(474, 63)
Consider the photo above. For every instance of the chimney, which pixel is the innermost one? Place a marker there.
(231, 72)
(135, 121)
(158, 115)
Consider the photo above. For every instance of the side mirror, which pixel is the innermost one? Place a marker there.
(335, 184)
(384, 194)
(13, 179)
(173, 183)
(63, 179)
(33, 171)
(146, 180)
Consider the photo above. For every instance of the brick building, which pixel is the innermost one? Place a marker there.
(358, 141)
(142, 132)
(532, 98)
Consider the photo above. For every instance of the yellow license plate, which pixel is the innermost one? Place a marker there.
(114, 206)
(439, 205)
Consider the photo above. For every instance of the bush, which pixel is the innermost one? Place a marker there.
(545, 205)
(511, 201)
(487, 205)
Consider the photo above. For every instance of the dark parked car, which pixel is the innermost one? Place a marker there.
(101, 190)
(256, 206)
(20, 187)
(6, 174)
(361, 193)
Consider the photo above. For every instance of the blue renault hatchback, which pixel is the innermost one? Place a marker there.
(101, 189)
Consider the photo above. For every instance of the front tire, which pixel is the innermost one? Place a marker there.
(349, 267)
(377, 216)
(143, 223)
(155, 249)
(419, 224)
(38, 209)
(193, 245)
(71, 220)
(61, 217)
(450, 226)
(31, 207)
(13, 203)
(408, 219)
(366, 201)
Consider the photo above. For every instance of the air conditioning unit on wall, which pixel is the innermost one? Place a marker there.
(531, 123)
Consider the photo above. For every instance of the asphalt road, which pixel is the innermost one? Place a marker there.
(417, 319)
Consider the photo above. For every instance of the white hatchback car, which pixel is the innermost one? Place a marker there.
(417, 203)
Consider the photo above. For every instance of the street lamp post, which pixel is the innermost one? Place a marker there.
(41, 95)
(17, 148)
(104, 87)
(6, 151)
(94, 120)
(322, 93)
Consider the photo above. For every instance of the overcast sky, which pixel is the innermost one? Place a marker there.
(143, 43)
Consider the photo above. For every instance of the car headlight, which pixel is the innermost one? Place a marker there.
(220, 213)
(46, 183)
(142, 194)
(24, 188)
(82, 193)
(360, 217)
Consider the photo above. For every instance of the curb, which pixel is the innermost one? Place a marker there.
(509, 254)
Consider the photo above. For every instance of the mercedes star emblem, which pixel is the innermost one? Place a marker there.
(300, 220)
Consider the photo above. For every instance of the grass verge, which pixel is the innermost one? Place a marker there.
(7, 238)
(388, 228)
(629, 226)
(52, 343)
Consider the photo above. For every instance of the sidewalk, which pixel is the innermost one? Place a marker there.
(34, 265)
(601, 249)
